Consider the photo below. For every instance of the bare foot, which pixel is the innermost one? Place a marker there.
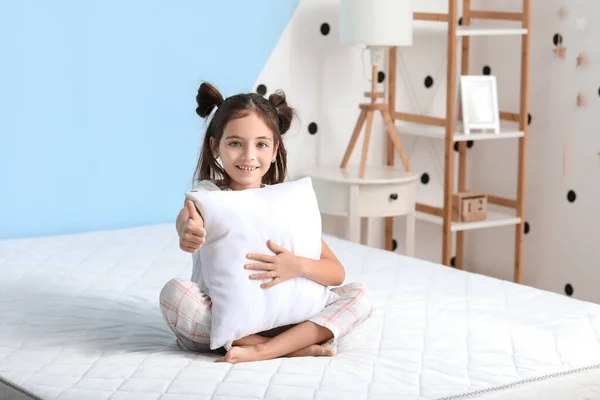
(252, 353)
(239, 354)
(314, 350)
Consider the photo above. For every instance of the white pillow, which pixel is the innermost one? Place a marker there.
(241, 222)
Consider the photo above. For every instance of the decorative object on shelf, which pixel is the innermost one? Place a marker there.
(581, 100)
(563, 13)
(377, 24)
(581, 60)
(560, 51)
(469, 206)
(479, 99)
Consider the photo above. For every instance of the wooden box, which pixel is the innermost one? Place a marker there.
(469, 206)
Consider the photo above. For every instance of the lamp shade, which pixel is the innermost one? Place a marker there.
(376, 22)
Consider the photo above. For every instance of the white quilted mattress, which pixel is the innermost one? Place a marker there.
(79, 319)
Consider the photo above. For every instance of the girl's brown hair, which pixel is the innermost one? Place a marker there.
(274, 111)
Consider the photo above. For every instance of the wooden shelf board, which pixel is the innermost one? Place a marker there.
(494, 219)
(480, 29)
(476, 31)
(437, 132)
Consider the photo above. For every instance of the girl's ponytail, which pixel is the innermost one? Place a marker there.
(284, 111)
(208, 98)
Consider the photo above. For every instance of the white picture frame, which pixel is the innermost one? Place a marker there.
(479, 102)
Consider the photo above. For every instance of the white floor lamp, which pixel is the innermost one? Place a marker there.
(377, 24)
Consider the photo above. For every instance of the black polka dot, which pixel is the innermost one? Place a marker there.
(325, 29)
(453, 261)
(312, 128)
(425, 178)
(526, 228)
(394, 244)
(557, 39)
(380, 76)
(261, 89)
(428, 82)
(598, 90)
(469, 145)
(460, 21)
(487, 70)
(528, 119)
(569, 289)
(571, 196)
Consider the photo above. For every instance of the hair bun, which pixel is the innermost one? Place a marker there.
(208, 98)
(284, 111)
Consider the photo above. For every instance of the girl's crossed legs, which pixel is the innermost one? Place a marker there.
(187, 311)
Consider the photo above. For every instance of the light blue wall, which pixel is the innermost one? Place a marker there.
(97, 99)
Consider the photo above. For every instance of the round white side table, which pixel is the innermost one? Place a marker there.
(383, 192)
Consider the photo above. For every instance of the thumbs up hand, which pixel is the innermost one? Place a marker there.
(192, 234)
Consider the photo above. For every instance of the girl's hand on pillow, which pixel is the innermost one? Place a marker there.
(192, 233)
(282, 266)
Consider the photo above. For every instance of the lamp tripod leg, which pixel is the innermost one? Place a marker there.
(354, 138)
(366, 140)
(393, 134)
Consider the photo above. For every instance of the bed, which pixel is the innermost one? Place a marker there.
(79, 319)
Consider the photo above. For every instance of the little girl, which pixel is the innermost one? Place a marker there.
(243, 149)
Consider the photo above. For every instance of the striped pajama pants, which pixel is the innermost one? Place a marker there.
(187, 311)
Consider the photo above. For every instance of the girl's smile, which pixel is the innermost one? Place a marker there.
(246, 169)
